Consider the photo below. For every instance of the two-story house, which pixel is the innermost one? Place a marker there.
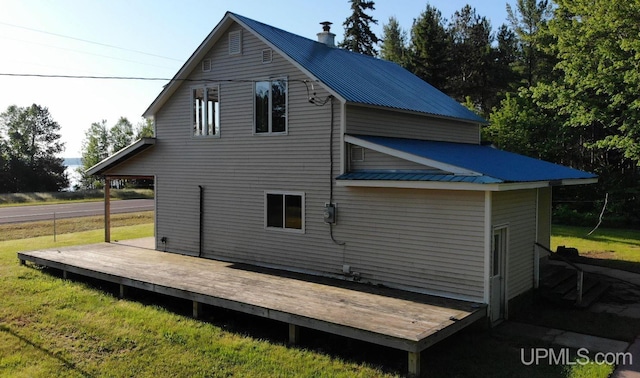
(276, 150)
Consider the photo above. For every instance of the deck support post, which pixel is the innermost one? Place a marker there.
(197, 309)
(65, 275)
(123, 291)
(107, 209)
(414, 364)
(23, 262)
(294, 334)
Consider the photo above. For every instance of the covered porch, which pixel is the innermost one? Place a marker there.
(398, 319)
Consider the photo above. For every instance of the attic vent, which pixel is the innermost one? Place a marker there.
(206, 65)
(235, 42)
(357, 153)
(267, 55)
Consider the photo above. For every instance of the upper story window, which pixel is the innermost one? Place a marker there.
(205, 111)
(270, 108)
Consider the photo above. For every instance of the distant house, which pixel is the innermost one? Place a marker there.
(280, 151)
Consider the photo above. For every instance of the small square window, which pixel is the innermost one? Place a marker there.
(284, 211)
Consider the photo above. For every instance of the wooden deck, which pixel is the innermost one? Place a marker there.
(393, 318)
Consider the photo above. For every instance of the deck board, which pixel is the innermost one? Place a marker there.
(394, 318)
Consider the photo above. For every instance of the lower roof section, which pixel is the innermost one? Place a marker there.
(464, 166)
(121, 156)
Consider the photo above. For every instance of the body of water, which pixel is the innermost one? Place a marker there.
(72, 164)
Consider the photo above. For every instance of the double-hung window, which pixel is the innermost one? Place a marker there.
(284, 211)
(205, 111)
(270, 107)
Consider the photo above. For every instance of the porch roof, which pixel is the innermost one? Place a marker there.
(121, 156)
(473, 163)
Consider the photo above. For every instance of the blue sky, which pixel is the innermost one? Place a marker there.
(146, 38)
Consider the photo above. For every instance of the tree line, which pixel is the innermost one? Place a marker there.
(560, 81)
(30, 147)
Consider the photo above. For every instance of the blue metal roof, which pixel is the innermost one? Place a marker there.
(502, 166)
(360, 78)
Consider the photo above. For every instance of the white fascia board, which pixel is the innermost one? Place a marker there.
(580, 181)
(189, 65)
(448, 185)
(418, 185)
(410, 157)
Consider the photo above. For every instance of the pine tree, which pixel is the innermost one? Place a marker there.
(429, 48)
(471, 54)
(394, 42)
(358, 36)
(528, 20)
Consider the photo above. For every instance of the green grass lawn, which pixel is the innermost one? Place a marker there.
(77, 328)
(615, 248)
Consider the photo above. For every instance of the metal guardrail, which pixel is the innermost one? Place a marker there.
(580, 271)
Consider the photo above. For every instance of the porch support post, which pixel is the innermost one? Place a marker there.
(414, 364)
(123, 291)
(197, 309)
(294, 334)
(107, 209)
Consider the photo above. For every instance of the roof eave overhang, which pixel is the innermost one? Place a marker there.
(415, 112)
(439, 185)
(189, 65)
(289, 59)
(121, 156)
(208, 44)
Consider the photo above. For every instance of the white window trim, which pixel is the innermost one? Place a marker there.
(286, 104)
(284, 229)
(217, 127)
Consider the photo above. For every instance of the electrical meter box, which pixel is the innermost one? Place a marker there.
(330, 213)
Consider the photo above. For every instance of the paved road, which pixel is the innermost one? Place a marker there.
(20, 214)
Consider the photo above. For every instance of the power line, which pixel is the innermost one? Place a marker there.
(88, 41)
(86, 53)
(145, 78)
(91, 77)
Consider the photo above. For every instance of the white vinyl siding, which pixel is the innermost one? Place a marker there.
(427, 239)
(517, 209)
(386, 123)
(423, 240)
(374, 160)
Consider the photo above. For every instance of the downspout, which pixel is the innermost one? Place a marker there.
(200, 227)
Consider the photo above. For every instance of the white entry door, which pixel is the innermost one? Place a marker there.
(498, 273)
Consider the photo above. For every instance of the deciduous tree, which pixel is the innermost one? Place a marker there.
(31, 150)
